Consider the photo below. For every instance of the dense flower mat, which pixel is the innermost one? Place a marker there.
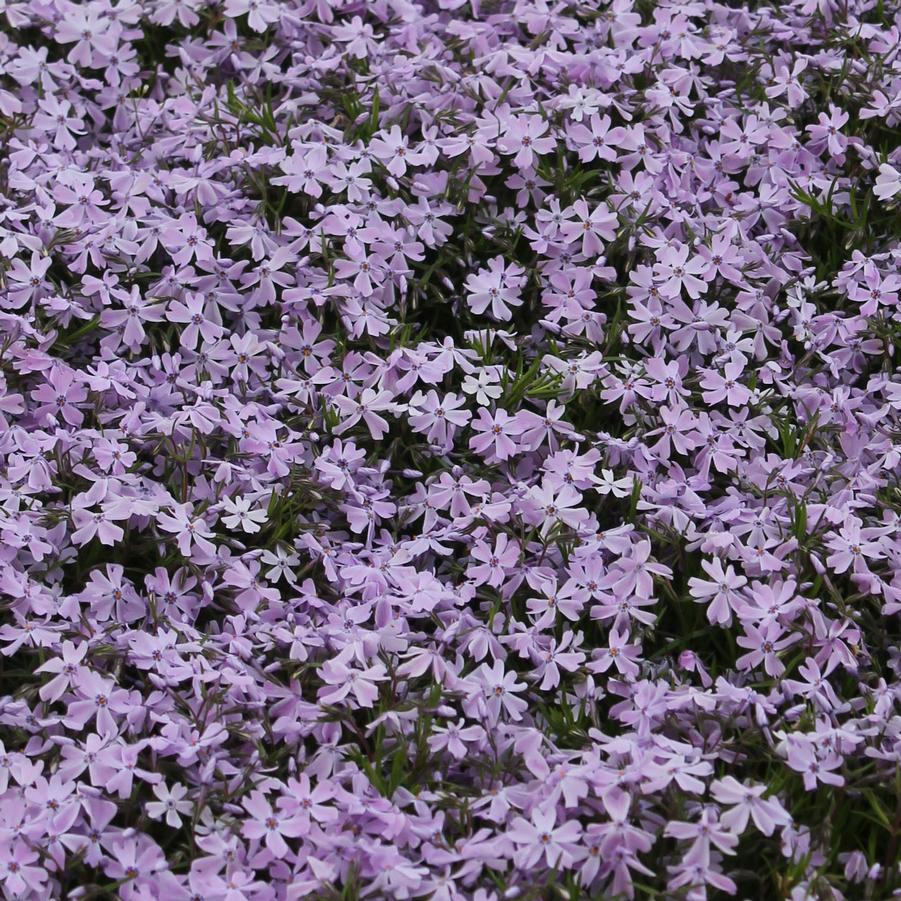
(450, 449)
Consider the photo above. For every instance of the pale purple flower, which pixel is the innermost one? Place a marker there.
(526, 136)
(542, 838)
(499, 689)
(495, 434)
(497, 287)
(269, 825)
(455, 737)
(747, 801)
(192, 531)
(367, 408)
(362, 684)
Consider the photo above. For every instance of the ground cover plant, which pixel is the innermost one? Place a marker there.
(450, 449)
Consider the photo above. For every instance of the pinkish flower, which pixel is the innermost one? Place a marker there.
(269, 825)
(526, 136)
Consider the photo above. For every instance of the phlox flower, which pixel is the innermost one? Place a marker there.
(495, 434)
(269, 825)
(192, 531)
(747, 802)
(492, 564)
(170, 804)
(240, 513)
(499, 691)
(526, 136)
(346, 679)
(888, 182)
(60, 396)
(455, 737)
(764, 644)
(497, 287)
(827, 132)
(597, 140)
(541, 837)
(367, 407)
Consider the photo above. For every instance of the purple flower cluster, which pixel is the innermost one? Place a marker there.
(450, 449)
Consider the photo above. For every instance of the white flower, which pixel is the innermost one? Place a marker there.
(483, 385)
(888, 182)
(240, 514)
(281, 562)
(170, 803)
(607, 484)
